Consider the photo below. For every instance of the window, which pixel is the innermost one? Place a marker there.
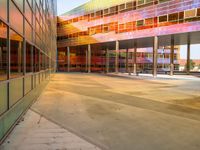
(28, 31)
(198, 12)
(3, 51)
(173, 17)
(28, 12)
(162, 1)
(99, 29)
(42, 61)
(163, 19)
(122, 7)
(149, 21)
(129, 5)
(106, 11)
(19, 4)
(98, 14)
(3, 9)
(28, 58)
(36, 60)
(140, 2)
(105, 28)
(140, 23)
(15, 13)
(190, 13)
(16, 55)
(92, 31)
(129, 26)
(148, 1)
(113, 10)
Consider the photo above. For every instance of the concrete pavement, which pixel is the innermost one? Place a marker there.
(125, 114)
(34, 132)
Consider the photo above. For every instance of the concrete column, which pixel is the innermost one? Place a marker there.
(172, 56)
(127, 68)
(89, 58)
(134, 57)
(68, 59)
(155, 51)
(188, 53)
(86, 60)
(1, 58)
(107, 60)
(117, 57)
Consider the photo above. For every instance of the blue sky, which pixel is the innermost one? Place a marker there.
(66, 5)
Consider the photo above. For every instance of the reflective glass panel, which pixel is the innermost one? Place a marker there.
(3, 9)
(16, 14)
(28, 58)
(16, 55)
(3, 51)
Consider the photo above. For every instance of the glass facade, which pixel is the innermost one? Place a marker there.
(27, 53)
(129, 21)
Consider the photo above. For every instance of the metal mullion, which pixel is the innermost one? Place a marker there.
(8, 56)
(24, 49)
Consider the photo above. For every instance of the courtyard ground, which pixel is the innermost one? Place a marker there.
(118, 113)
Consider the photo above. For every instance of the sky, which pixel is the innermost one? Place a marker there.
(66, 5)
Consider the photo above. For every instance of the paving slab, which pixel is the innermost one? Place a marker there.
(34, 132)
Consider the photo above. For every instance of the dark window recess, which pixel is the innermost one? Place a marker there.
(113, 9)
(181, 17)
(198, 12)
(173, 17)
(162, 19)
(129, 5)
(140, 23)
(106, 11)
(122, 7)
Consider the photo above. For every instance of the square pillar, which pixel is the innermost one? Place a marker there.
(188, 53)
(155, 52)
(127, 68)
(172, 56)
(89, 58)
(134, 57)
(68, 59)
(107, 60)
(86, 60)
(117, 57)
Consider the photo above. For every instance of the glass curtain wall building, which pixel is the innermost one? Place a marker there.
(146, 36)
(27, 55)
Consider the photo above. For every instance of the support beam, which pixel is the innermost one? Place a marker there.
(86, 60)
(172, 56)
(68, 59)
(127, 68)
(89, 58)
(188, 54)
(155, 52)
(117, 57)
(134, 57)
(107, 60)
